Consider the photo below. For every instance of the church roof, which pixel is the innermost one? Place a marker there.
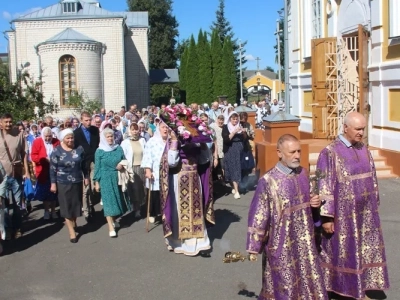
(69, 36)
(250, 73)
(164, 76)
(87, 10)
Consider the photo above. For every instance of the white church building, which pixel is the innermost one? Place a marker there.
(76, 45)
(344, 55)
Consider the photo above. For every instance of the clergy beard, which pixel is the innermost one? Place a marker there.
(292, 165)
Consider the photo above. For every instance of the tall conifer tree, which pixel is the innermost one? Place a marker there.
(192, 72)
(216, 57)
(229, 71)
(183, 73)
(205, 71)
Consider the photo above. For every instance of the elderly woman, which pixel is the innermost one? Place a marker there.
(107, 163)
(67, 171)
(217, 127)
(233, 136)
(133, 148)
(42, 148)
(151, 164)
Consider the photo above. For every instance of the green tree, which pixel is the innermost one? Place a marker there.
(183, 73)
(163, 31)
(269, 68)
(224, 29)
(205, 68)
(229, 83)
(216, 58)
(163, 35)
(24, 98)
(79, 102)
(192, 71)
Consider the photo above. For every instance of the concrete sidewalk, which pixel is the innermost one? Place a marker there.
(44, 265)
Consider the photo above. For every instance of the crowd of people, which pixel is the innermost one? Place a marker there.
(114, 158)
(166, 160)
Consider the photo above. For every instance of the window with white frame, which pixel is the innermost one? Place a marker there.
(307, 30)
(70, 7)
(394, 20)
(316, 19)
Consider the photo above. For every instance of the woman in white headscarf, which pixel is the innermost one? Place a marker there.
(233, 137)
(42, 148)
(67, 172)
(107, 163)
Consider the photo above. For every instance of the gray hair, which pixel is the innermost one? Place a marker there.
(47, 130)
(108, 131)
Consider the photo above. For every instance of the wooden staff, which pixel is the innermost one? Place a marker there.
(148, 207)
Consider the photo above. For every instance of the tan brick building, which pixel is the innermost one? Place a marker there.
(76, 45)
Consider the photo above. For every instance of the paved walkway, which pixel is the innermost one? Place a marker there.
(44, 265)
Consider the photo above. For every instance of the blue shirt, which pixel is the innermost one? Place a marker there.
(86, 133)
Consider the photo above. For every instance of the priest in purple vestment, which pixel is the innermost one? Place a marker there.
(281, 227)
(353, 253)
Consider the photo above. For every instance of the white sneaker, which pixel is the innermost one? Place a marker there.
(54, 215)
(233, 191)
(152, 220)
(112, 234)
(46, 215)
(236, 196)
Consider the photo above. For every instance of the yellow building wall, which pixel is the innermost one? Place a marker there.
(394, 105)
(263, 81)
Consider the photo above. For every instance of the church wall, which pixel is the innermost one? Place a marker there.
(107, 31)
(384, 81)
(87, 56)
(137, 67)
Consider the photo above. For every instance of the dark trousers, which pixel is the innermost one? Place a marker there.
(155, 203)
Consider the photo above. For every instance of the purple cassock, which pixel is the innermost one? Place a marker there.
(353, 257)
(281, 227)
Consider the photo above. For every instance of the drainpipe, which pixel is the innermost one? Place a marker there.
(286, 49)
(102, 52)
(40, 67)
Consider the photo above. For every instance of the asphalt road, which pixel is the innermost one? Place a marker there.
(44, 265)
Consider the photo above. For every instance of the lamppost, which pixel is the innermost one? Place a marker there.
(278, 41)
(240, 70)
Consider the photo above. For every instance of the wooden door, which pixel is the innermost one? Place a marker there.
(363, 104)
(323, 76)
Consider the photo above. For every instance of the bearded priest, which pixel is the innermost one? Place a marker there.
(281, 227)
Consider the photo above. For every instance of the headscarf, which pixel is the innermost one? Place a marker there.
(55, 131)
(134, 138)
(103, 125)
(64, 133)
(103, 141)
(232, 127)
(47, 145)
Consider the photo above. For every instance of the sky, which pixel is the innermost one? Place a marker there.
(253, 21)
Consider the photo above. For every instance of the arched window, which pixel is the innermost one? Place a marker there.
(68, 84)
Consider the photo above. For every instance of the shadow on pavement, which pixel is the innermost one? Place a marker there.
(34, 237)
(224, 218)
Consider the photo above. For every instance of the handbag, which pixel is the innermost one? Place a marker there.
(247, 160)
(29, 191)
(15, 164)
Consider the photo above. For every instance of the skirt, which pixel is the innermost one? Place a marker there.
(136, 189)
(70, 199)
(42, 192)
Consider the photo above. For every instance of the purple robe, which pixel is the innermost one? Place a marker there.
(192, 205)
(353, 257)
(280, 226)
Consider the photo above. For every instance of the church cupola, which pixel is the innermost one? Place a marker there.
(70, 6)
